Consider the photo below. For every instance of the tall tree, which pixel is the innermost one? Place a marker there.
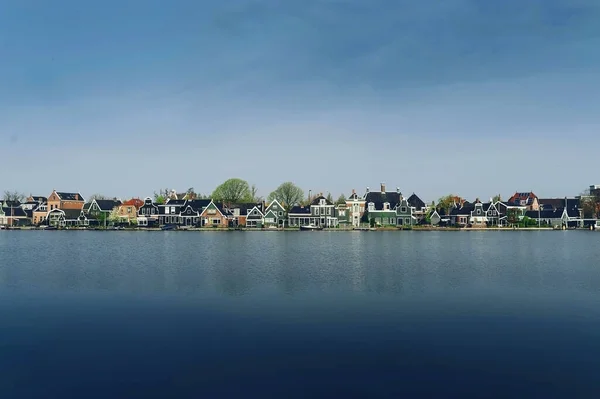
(329, 198)
(232, 191)
(254, 194)
(288, 194)
(341, 200)
(497, 198)
(446, 203)
(13, 196)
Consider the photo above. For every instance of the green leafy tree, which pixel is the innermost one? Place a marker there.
(288, 194)
(233, 191)
(496, 198)
(341, 200)
(161, 196)
(446, 203)
(114, 217)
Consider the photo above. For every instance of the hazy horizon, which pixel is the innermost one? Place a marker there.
(462, 96)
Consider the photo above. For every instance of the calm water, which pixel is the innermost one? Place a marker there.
(286, 315)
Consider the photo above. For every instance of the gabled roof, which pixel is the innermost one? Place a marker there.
(416, 202)
(107, 205)
(525, 198)
(38, 198)
(317, 200)
(64, 196)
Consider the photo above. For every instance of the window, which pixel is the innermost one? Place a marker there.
(386, 206)
(316, 211)
(403, 209)
(371, 207)
(280, 213)
(329, 210)
(407, 221)
(479, 211)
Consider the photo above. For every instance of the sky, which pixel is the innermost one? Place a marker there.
(469, 97)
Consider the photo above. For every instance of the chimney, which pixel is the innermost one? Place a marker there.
(398, 190)
(367, 190)
(382, 188)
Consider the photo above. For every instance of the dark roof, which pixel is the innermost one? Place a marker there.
(174, 202)
(69, 196)
(197, 204)
(379, 198)
(71, 214)
(318, 199)
(556, 203)
(39, 198)
(14, 212)
(416, 202)
(466, 209)
(247, 206)
(108, 205)
(300, 210)
(10, 203)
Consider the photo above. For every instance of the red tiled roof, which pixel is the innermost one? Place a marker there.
(135, 202)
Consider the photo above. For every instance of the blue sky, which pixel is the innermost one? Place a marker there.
(435, 97)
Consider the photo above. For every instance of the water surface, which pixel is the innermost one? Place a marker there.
(306, 314)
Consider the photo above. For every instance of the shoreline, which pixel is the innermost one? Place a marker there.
(381, 229)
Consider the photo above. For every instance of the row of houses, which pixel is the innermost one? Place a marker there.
(373, 208)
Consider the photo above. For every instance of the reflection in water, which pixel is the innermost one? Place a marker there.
(239, 264)
(172, 314)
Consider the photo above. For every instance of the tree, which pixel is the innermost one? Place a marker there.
(161, 196)
(512, 215)
(496, 198)
(97, 197)
(590, 203)
(13, 196)
(190, 194)
(288, 194)
(341, 200)
(446, 203)
(232, 191)
(114, 217)
(254, 194)
(329, 198)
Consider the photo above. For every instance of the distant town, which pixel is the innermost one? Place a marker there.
(234, 205)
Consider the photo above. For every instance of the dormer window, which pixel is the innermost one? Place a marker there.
(323, 201)
(479, 211)
(403, 209)
(386, 206)
(371, 207)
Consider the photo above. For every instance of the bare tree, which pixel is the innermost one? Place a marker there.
(13, 196)
(97, 197)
